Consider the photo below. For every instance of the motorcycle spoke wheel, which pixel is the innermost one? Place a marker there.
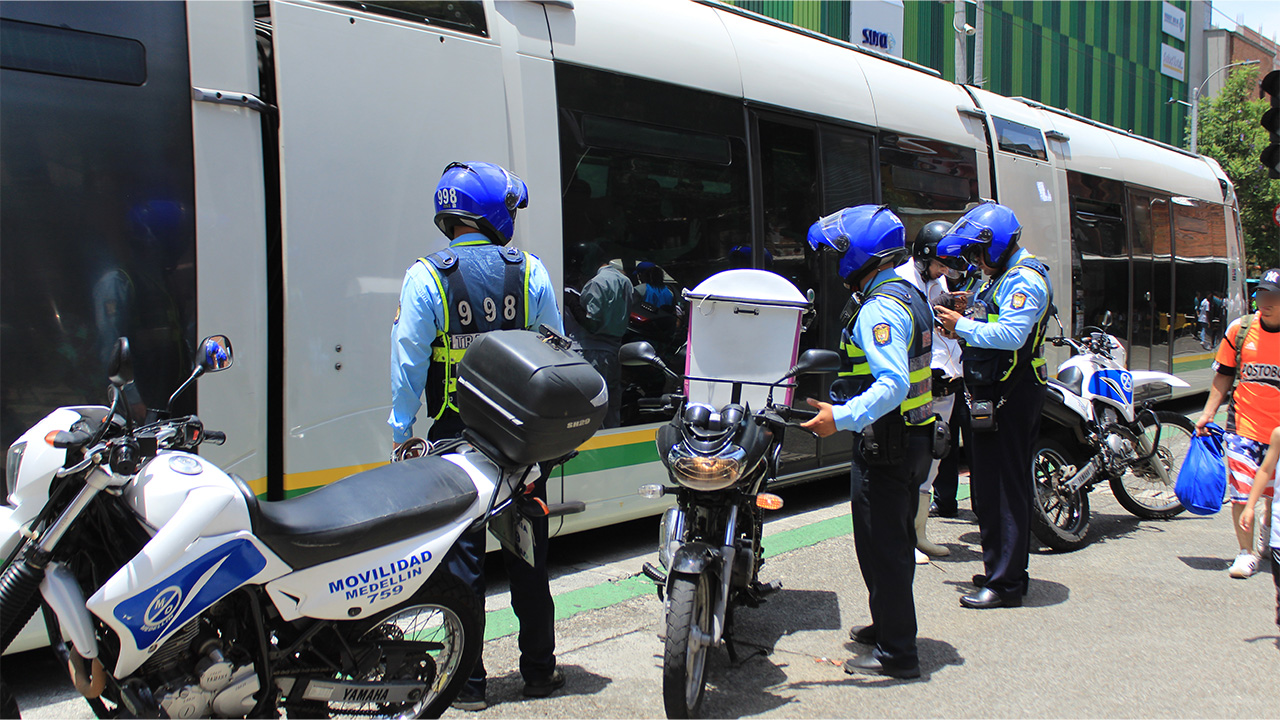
(433, 638)
(684, 665)
(1140, 490)
(1059, 519)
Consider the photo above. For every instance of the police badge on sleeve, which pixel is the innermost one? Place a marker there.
(1019, 299)
(882, 333)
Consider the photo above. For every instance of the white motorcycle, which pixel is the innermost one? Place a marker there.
(1091, 430)
(183, 595)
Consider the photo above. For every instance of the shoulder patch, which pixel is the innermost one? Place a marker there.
(1019, 299)
(396, 319)
(883, 333)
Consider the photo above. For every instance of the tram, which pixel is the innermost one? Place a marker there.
(266, 169)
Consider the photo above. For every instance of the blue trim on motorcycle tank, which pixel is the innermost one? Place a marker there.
(170, 603)
(1113, 384)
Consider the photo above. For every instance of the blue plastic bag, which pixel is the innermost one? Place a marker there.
(1202, 481)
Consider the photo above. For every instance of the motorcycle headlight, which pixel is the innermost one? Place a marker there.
(11, 463)
(707, 473)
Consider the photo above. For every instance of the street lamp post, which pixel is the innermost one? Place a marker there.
(1195, 101)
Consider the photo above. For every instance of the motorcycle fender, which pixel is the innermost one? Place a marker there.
(1147, 377)
(62, 593)
(692, 557)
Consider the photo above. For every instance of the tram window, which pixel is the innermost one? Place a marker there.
(926, 180)
(1020, 139)
(652, 173)
(461, 15)
(1099, 253)
(1200, 246)
(71, 53)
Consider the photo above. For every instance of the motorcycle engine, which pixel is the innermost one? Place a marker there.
(1116, 447)
(204, 684)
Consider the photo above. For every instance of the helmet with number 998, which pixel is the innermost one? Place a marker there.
(866, 236)
(481, 196)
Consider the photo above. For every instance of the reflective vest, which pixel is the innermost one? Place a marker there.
(1031, 354)
(855, 377)
(472, 307)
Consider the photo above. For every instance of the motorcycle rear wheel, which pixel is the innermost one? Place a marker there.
(684, 658)
(1059, 519)
(1140, 490)
(443, 612)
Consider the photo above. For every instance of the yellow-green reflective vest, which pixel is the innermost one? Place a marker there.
(855, 377)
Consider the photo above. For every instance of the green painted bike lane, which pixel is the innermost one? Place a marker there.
(500, 623)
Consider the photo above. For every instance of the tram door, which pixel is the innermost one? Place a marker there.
(1150, 262)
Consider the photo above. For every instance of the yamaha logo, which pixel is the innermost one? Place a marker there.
(1126, 381)
(162, 608)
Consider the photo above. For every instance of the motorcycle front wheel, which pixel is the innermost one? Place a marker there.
(684, 658)
(433, 638)
(1059, 519)
(1140, 490)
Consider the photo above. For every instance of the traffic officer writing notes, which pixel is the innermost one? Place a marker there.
(883, 393)
(1004, 385)
(474, 286)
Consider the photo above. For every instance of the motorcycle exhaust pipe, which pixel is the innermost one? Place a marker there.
(89, 681)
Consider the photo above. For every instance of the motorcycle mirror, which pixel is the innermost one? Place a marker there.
(635, 354)
(120, 366)
(215, 354)
(1106, 320)
(815, 361)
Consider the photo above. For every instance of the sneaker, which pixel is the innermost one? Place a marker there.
(469, 702)
(1246, 565)
(921, 558)
(544, 689)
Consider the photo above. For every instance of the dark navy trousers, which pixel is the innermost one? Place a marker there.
(884, 501)
(947, 484)
(530, 586)
(1001, 484)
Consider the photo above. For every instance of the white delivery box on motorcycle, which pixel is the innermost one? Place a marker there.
(744, 325)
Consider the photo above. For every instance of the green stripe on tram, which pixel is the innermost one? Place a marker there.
(612, 458)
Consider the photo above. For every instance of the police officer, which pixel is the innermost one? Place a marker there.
(1005, 378)
(929, 271)
(476, 285)
(883, 393)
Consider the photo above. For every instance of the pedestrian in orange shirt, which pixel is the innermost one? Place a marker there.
(1249, 358)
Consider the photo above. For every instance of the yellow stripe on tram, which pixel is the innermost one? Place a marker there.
(634, 437)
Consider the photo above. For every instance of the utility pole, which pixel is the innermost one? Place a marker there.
(978, 78)
(958, 23)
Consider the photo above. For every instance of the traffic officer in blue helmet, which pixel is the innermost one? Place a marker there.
(1004, 379)
(476, 285)
(883, 394)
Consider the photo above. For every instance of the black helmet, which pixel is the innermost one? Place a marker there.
(925, 246)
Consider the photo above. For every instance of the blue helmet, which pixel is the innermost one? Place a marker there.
(866, 237)
(990, 229)
(482, 196)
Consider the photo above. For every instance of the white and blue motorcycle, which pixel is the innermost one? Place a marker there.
(1091, 430)
(182, 595)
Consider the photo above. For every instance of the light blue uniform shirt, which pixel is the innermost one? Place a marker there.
(421, 316)
(888, 362)
(1018, 316)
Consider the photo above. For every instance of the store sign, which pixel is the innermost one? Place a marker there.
(1174, 22)
(1173, 62)
(877, 25)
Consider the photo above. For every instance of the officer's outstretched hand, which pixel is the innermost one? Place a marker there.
(824, 424)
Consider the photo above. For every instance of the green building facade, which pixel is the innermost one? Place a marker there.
(1101, 60)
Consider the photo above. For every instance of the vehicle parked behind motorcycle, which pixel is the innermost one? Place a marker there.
(721, 454)
(184, 595)
(1091, 431)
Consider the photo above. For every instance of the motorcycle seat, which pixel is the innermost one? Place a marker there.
(363, 511)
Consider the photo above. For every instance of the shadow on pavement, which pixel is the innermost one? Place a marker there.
(745, 688)
(577, 681)
(935, 656)
(1205, 563)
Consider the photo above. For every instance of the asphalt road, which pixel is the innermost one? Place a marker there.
(1142, 622)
